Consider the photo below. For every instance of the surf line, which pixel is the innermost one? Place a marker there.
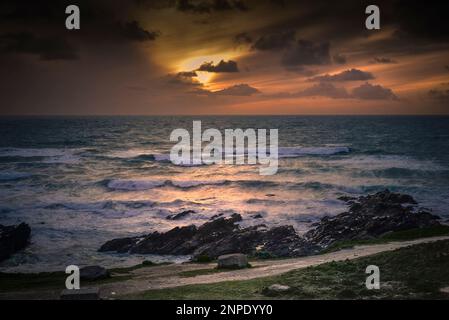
(189, 148)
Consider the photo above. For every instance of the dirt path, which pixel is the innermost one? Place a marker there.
(168, 276)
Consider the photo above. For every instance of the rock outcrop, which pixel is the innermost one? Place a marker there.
(13, 239)
(215, 238)
(368, 217)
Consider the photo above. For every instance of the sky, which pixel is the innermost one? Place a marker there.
(231, 57)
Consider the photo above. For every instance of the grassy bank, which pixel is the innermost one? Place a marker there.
(417, 272)
(56, 280)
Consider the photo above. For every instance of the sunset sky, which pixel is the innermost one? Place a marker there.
(224, 57)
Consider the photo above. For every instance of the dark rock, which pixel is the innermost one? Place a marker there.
(368, 217)
(232, 261)
(215, 216)
(257, 216)
(93, 273)
(180, 215)
(346, 199)
(215, 238)
(120, 245)
(13, 239)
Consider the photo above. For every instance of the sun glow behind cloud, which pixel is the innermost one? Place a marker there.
(193, 63)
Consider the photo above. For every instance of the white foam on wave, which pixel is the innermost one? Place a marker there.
(292, 152)
(139, 185)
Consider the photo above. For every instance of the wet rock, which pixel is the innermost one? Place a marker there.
(346, 199)
(275, 290)
(215, 238)
(13, 239)
(232, 261)
(180, 215)
(93, 273)
(370, 217)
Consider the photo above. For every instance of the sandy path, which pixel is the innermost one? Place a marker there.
(168, 276)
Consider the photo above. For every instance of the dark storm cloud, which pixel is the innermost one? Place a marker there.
(222, 66)
(307, 53)
(241, 90)
(383, 60)
(103, 20)
(339, 58)
(322, 89)
(47, 48)
(368, 91)
(329, 90)
(428, 19)
(275, 40)
(133, 31)
(190, 74)
(210, 6)
(184, 79)
(347, 75)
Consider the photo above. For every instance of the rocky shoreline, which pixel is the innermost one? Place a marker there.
(368, 217)
(13, 239)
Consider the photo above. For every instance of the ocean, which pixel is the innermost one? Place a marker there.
(80, 181)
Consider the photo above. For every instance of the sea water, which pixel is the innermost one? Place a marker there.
(80, 181)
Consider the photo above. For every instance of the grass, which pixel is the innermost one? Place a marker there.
(56, 280)
(411, 234)
(416, 272)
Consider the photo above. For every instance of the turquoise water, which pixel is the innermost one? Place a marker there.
(79, 181)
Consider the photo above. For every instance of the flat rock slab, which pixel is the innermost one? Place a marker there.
(81, 294)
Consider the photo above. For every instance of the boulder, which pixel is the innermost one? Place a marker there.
(80, 294)
(93, 273)
(13, 239)
(232, 261)
(275, 290)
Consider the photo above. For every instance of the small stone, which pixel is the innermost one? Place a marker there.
(275, 289)
(230, 261)
(81, 294)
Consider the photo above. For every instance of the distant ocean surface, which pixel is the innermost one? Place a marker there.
(80, 181)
